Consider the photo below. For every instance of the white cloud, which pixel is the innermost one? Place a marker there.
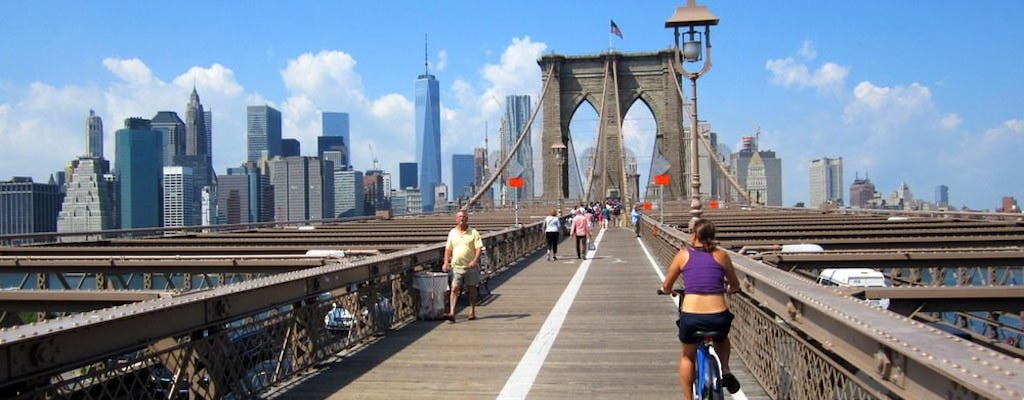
(132, 71)
(1009, 130)
(216, 79)
(442, 61)
(883, 108)
(789, 72)
(950, 122)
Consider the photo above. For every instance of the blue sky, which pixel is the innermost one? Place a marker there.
(924, 93)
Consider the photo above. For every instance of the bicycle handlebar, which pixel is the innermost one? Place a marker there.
(675, 292)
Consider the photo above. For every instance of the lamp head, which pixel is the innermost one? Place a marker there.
(691, 15)
(558, 149)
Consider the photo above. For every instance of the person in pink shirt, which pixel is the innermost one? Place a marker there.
(581, 231)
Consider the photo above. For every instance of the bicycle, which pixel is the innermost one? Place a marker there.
(707, 374)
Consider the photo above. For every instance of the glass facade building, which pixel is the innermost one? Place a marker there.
(263, 132)
(463, 173)
(428, 136)
(139, 169)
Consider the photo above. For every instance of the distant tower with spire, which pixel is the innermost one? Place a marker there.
(428, 133)
(94, 130)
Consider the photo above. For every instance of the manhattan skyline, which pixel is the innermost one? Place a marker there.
(886, 86)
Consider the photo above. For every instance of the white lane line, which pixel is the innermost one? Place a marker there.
(519, 383)
(657, 269)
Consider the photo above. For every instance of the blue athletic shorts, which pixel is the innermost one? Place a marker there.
(688, 323)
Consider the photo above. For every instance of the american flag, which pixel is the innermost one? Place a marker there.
(615, 30)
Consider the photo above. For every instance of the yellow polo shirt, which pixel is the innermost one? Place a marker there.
(463, 245)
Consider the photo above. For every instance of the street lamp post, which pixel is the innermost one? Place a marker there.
(690, 18)
(559, 151)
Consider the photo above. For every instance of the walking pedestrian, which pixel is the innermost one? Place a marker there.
(581, 231)
(462, 256)
(552, 231)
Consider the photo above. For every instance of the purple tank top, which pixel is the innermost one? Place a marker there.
(702, 274)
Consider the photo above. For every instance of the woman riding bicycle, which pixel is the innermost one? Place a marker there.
(708, 275)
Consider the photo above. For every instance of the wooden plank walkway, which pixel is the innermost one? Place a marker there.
(617, 339)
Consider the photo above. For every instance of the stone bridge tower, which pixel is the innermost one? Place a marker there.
(612, 82)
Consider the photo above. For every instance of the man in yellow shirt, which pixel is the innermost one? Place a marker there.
(462, 256)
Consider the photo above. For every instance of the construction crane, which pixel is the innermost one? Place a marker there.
(374, 155)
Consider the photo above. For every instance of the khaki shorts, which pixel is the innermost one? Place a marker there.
(466, 277)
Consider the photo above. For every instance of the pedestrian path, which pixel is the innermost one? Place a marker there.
(564, 329)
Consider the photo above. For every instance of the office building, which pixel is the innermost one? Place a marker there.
(1008, 204)
(263, 133)
(480, 174)
(408, 177)
(256, 201)
(349, 199)
(462, 177)
(199, 143)
(517, 114)
(338, 148)
(862, 192)
(233, 199)
(290, 147)
(178, 199)
(335, 124)
(826, 182)
(139, 170)
(90, 191)
(757, 182)
(406, 201)
(942, 196)
(771, 167)
(300, 188)
(94, 133)
(28, 207)
(428, 136)
(373, 192)
(172, 128)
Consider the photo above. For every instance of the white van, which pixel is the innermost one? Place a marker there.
(855, 277)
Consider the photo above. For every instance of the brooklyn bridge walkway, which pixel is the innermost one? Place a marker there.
(565, 329)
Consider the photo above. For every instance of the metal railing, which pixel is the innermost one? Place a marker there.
(231, 341)
(801, 340)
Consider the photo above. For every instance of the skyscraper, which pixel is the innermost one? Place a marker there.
(173, 130)
(199, 141)
(299, 188)
(94, 130)
(428, 135)
(139, 170)
(89, 200)
(335, 144)
(290, 147)
(407, 176)
(462, 176)
(233, 199)
(335, 124)
(28, 207)
(178, 199)
(757, 182)
(348, 193)
(373, 191)
(517, 114)
(826, 182)
(942, 196)
(263, 132)
(772, 168)
(862, 192)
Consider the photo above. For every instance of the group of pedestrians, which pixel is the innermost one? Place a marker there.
(705, 268)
